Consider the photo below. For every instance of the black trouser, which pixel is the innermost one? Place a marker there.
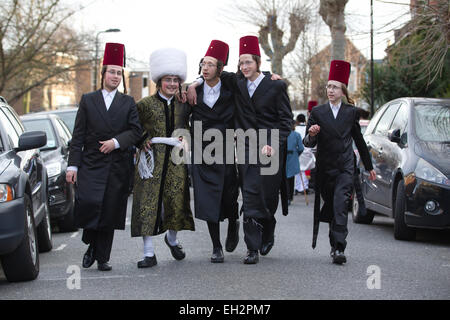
(291, 183)
(359, 194)
(102, 242)
(214, 231)
(253, 231)
(343, 187)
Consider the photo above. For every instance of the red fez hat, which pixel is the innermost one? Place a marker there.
(311, 104)
(114, 54)
(219, 50)
(249, 45)
(339, 71)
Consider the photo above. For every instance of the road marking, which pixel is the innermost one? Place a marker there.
(100, 278)
(446, 265)
(74, 234)
(61, 247)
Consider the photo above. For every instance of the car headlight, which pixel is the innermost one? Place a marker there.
(53, 169)
(427, 172)
(6, 193)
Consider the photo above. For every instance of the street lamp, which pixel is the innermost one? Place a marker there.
(96, 54)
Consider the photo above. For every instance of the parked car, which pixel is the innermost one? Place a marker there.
(61, 194)
(25, 226)
(409, 141)
(67, 114)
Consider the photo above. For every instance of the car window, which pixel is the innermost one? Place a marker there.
(9, 129)
(42, 125)
(401, 119)
(61, 132)
(386, 120)
(374, 120)
(69, 118)
(14, 121)
(65, 128)
(432, 122)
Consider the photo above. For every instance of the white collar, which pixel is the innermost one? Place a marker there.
(215, 89)
(165, 98)
(108, 93)
(336, 106)
(257, 80)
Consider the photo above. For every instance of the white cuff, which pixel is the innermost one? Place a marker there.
(116, 143)
(73, 168)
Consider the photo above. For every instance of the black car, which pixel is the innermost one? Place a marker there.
(24, 215)
(55, 153)
(67, 114)
(409, 141)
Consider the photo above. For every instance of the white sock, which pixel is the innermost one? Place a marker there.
(149, 250)
(172, 237)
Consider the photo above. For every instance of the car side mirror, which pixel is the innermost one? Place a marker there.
(394, 135)
(69, 142)
(32, 140)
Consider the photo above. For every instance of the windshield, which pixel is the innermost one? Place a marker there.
(68, 118)
(42, 125)
(432, 122)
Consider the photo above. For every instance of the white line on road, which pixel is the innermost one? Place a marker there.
(98, 278)
(446, 265)
(61, 247)
(74, 234)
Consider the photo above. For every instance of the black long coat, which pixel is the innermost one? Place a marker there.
(334, 159)
(103, 179)
(216, 187)
(269, 108)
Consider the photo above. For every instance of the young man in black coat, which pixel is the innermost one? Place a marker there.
(106, 125)
(333, 127)
(215, 180)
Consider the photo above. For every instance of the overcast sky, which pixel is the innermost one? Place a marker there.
(147, 25)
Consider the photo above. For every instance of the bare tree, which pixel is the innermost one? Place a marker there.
(37, 47)
(332, 12)
(271, 17)
(426, 40)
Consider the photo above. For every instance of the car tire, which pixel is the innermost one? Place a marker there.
(44, 232)
(356, 213)
(23, 263)
(401, 230)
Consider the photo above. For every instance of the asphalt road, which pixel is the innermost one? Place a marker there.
(378, 267)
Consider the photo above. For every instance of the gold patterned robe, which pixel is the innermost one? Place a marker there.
(162, 202)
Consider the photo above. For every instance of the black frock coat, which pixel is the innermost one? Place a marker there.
(268, 108)
(103, 179)
(216, 187)
(334, 160)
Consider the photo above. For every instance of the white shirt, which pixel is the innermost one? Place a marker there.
(335, 108)
(108, 97)
(252, 86)
(211, 95)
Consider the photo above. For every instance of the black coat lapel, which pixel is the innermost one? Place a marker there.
(115, 103)
(242, 85)
(101, 108)
(262, 88)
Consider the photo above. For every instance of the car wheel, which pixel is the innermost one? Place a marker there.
(23, 263)
(401, 230)
(357, 215)
(44, 232)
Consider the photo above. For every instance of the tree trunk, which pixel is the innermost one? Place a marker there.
(332, 12)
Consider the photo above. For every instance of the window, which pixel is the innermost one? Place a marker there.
(386, 119)
(432, 122)
(43, 125)
(61, 132)
(9, 129)
(401, 119)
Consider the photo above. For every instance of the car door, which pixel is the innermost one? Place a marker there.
(377, 190)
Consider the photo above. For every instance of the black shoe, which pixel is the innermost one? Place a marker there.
(177, 251)
(89, 257)
(338, 257)
(104, 266)
(147, 262)
(266, 247)
(232, 239)
(217, 255)
(252, 257)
